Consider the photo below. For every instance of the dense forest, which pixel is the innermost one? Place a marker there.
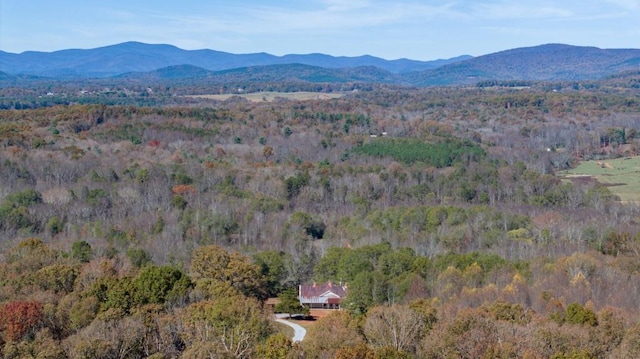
(137, 221)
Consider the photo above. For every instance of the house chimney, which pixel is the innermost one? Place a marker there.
(314, 284)
(329, 284)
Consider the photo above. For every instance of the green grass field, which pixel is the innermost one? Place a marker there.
(270, 96)
(620, 175)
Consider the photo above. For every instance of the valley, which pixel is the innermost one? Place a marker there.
(160, 214)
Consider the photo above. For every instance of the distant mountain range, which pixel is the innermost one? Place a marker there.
(134, 60)
(139, 57)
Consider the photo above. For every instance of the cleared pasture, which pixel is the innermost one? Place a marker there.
(272, 96)
(620, 175)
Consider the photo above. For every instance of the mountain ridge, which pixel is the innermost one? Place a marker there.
(139, 61)
(113, 60)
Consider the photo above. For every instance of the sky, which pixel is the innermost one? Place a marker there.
(419, 30)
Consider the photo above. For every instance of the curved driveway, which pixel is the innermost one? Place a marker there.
(298, 331)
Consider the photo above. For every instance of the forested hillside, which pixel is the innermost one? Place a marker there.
(136, 221)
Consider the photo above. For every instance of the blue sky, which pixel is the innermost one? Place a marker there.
(421, 30)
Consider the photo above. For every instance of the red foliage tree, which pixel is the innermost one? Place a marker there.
(18, 319)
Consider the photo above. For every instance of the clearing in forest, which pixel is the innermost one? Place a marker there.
(620, 175)
(271, 96)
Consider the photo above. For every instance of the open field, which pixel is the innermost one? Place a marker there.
(271, 96)
(621, 175)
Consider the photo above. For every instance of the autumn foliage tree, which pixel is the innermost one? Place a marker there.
(217, 264)
(231, 326)
(397, 326)
(331, 333)
(277, 346)
(19, 319)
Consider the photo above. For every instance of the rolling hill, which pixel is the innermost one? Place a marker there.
(550, 62)
(269, 73)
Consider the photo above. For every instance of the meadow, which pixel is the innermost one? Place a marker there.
(620, 175)
(269, 96)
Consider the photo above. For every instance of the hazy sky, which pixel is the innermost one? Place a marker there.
(421, 30)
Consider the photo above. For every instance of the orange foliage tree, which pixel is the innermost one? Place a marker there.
(18, 319)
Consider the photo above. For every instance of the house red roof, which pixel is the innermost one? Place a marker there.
(322, 293)
(333, 300)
